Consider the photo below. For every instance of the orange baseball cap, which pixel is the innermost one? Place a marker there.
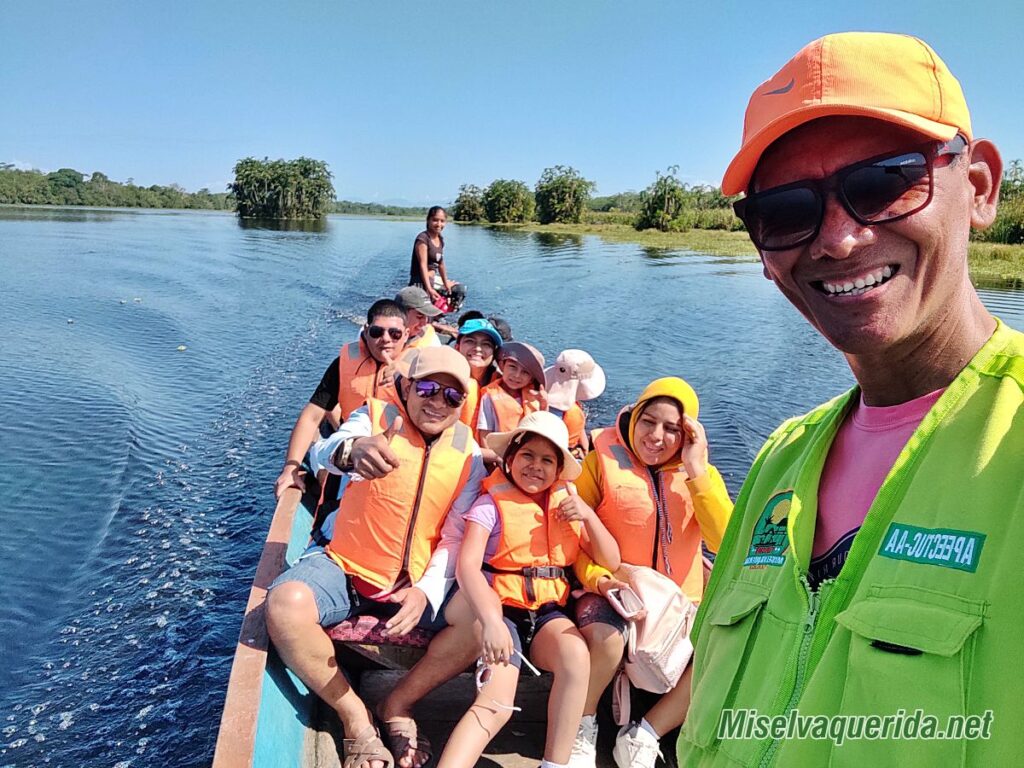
(896, 78)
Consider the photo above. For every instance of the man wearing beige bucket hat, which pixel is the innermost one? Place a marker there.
(390, 547)
(870, 571)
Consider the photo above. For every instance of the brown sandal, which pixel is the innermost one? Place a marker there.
(365, 747)
(401, 734)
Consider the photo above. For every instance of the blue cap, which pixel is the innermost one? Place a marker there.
(479, 325)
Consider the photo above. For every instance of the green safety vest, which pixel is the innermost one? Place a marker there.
(926, 614)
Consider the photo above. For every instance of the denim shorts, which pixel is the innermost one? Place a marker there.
(594, 609)
(524, 625)
(337, 600)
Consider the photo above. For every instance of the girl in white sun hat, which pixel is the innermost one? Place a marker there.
(574, 378)
(522, 536)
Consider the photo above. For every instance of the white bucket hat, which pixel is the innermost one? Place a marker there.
(574, 376)
(548, 426)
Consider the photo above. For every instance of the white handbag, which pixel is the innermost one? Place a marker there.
(658, 647)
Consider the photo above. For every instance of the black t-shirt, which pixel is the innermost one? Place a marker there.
(326, 394)
(435, 255)
(828, 564)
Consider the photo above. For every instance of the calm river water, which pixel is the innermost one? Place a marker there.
(136, 479)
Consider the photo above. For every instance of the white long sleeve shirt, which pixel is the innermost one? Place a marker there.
(440, 572)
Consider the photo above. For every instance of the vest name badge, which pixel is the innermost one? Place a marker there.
(944, 547)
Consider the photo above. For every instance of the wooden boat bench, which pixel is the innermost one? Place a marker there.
(365, 636)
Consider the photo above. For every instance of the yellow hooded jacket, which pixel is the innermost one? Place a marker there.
(710, 499)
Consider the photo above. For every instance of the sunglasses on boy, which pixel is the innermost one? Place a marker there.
(878, 190)
(428, 388)
(376, 331)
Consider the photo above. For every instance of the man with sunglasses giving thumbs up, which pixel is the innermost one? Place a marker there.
(391, 545)
(865, 606)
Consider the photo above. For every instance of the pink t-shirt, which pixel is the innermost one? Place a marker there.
(864, 450)
(484, 512)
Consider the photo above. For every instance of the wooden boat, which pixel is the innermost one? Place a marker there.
(270, 718)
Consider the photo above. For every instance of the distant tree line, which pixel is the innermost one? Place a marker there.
(282, 189)
(70, 187)
(302, 189)
(563, 195)
(376, 209)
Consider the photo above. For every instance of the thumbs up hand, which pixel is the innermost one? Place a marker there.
(372, 457)
(573, 508)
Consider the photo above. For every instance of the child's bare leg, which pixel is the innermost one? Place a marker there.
(560, 648)
(671, 709)
(606, 646)
(483, 720)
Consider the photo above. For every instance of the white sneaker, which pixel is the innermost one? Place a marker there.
(584, 748)
(635, 748)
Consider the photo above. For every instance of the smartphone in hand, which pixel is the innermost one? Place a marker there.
(625, 601)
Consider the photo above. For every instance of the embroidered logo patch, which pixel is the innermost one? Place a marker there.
(769, 543)
(946, 547)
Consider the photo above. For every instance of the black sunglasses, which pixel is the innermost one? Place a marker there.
(874, 191)
(376, 331)
(428, 388)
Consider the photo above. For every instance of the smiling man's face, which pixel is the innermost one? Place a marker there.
(914, 270)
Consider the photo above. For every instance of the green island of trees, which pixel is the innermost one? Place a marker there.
(282, 189)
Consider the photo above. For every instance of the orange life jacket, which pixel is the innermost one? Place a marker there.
(508, 410)
(360, 377)
(576, 422)
(392, 524)
(428, 338)
(535, 547)
(653, 529)
(471, 406)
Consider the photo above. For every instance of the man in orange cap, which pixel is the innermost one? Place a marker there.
(866, 597)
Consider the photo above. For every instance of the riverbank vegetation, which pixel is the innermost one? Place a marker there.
(70, 187)
(282, 189)
(669, 205)
(991, 264)
(605, 226)
(377, 209)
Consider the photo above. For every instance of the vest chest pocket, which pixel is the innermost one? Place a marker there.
(729, 627)
(910, 649)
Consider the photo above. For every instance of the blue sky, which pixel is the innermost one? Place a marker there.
(406, 101)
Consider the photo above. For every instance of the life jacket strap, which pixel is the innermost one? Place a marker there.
(530, 573)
